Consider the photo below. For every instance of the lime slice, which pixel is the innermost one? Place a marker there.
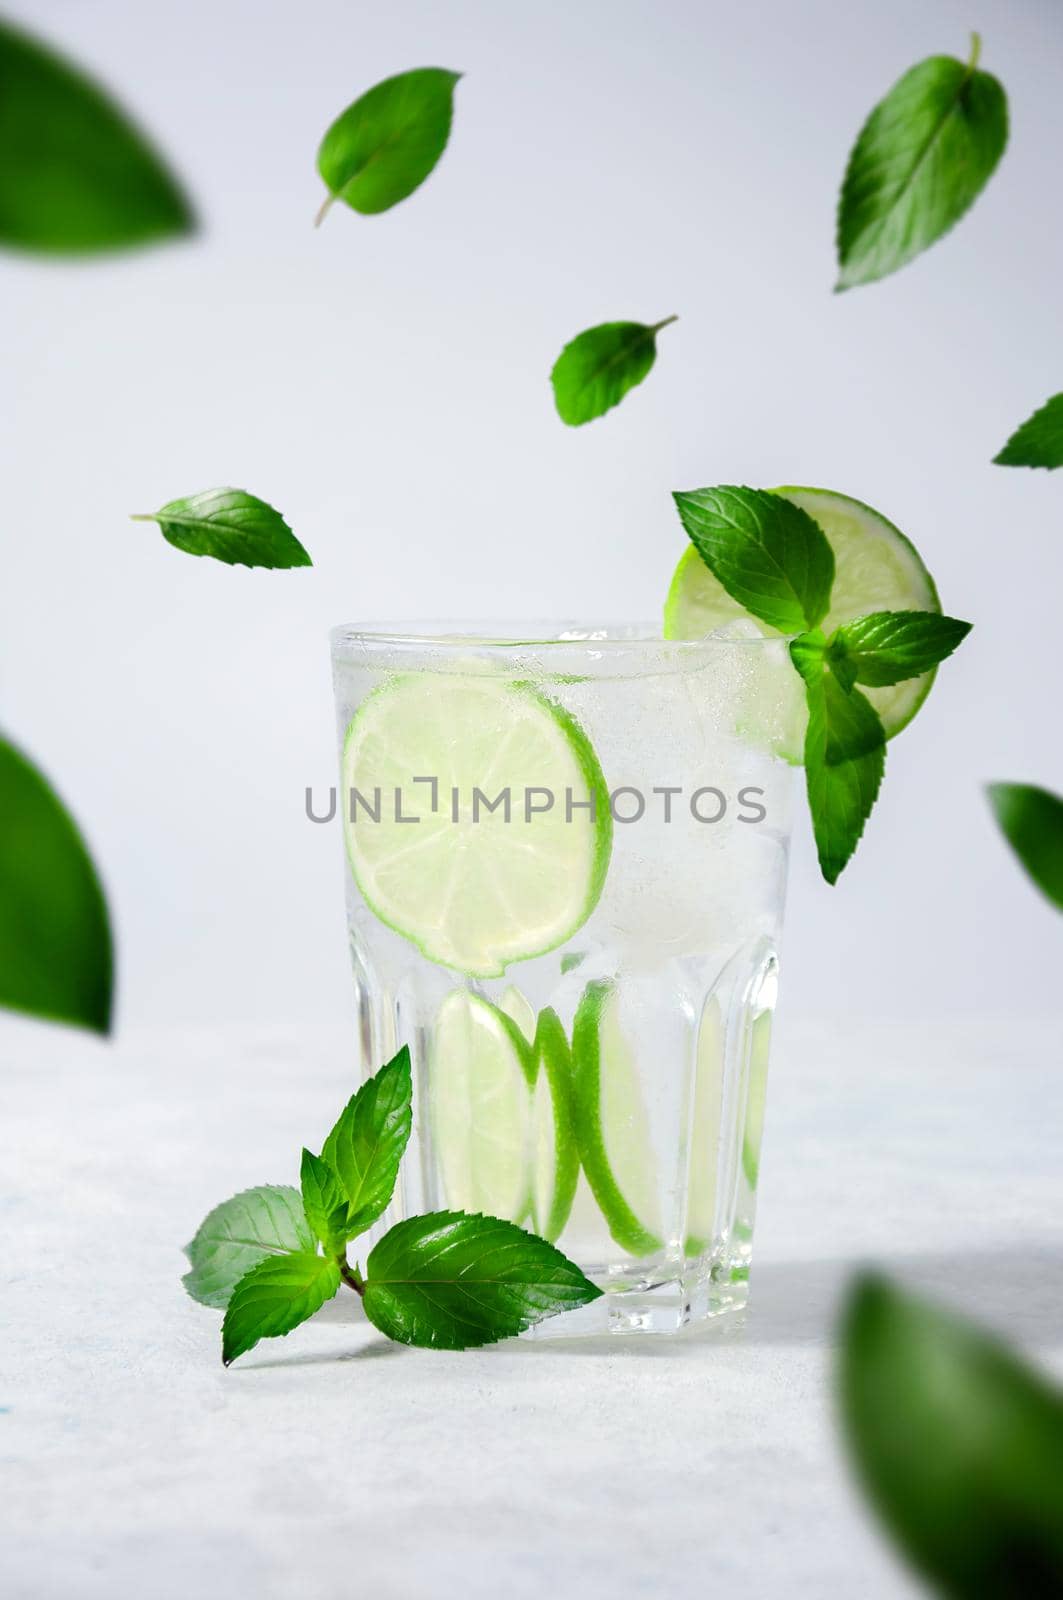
(705, 1129)
(756, 1096)
(876, 569)
(485, 889)
(611, 1124)
(480, 1073)
(555, 1154)
(519, 1010)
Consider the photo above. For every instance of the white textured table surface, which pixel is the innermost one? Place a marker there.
(333, 1463)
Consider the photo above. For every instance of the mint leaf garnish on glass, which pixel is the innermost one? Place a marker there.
(920, 161)
(56, 950)
(77, 177)
(957, 1443)
(1039, 440)
(272, 1257)
(770, 556)
(230, 525)
(241, 1232)
(383, 147)
(775, 560)
(1031, 820)
(596, 369)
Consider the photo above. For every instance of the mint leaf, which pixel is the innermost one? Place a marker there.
(769, 554)
(1031, 819)
(888, 646)
(384, 146)
(77, 176)
(240, 1233)
(366, 1145)
(596, 369)
(1039, 441)
(452, 1281)
(56, 956)
(324, 1201)
(232, 526)
(845, 755)
(921, 159)
(275, 1297)
(958, 1445)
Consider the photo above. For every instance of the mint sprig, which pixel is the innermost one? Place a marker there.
(776, 561)
(598, 367)
(230, 525)
(1031, 820)
(386, 143)
(1038, 442)
(272, 1256)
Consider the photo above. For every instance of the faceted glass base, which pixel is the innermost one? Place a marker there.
(663, 1307)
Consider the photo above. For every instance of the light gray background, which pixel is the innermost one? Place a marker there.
(384, 382)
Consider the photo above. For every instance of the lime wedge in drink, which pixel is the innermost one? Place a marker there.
(554, 1152)
(474, 887)
(480, 1074)
(756, 1095)
(705, 1129)
(876, 569)
(519, 1009)
(611, 1124)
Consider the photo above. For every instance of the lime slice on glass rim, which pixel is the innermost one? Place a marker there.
(611, 1124)
(480, 1075)
(876, 569)
(472, 888)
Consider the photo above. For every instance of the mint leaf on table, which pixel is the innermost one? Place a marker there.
(232, 526)
(845, 756)
(769, 554)
(383, 147)
(325, 1202)
(451, 1281)
(56, 951)
(274, 1297)
(958, 1445)
(77, 176)
(887, 647)
(1039, 441)
(365, 1147)
(596, 369)
(240, 1233)
(921, 159)
(1031, 819)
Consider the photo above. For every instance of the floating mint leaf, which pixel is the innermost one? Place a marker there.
(1031, 819)
(240, 1233)
(923, 156)
(845, 755)
(274, 1297)
(887, 647)
(232, 526)
(596, 369)
(958, 1445)
(76, 175)
(452, 1281)
(769, 554)
(365, 1147)
(384, 146)
(325, 1202)
(1039, 441)
(56, 956)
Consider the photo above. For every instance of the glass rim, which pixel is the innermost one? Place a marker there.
(561, 635)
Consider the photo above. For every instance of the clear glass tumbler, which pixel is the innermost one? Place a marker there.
(566, 868)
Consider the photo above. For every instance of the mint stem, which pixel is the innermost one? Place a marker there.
(976, 51)
(326, 207)
(657, 326)
(350, 1275)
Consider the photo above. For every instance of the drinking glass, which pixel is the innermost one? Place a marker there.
(585, 975)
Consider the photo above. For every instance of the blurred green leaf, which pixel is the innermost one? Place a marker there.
(56, 958)
(76, 176)
(1031, 820)
(384, 146)
(958, 1445)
